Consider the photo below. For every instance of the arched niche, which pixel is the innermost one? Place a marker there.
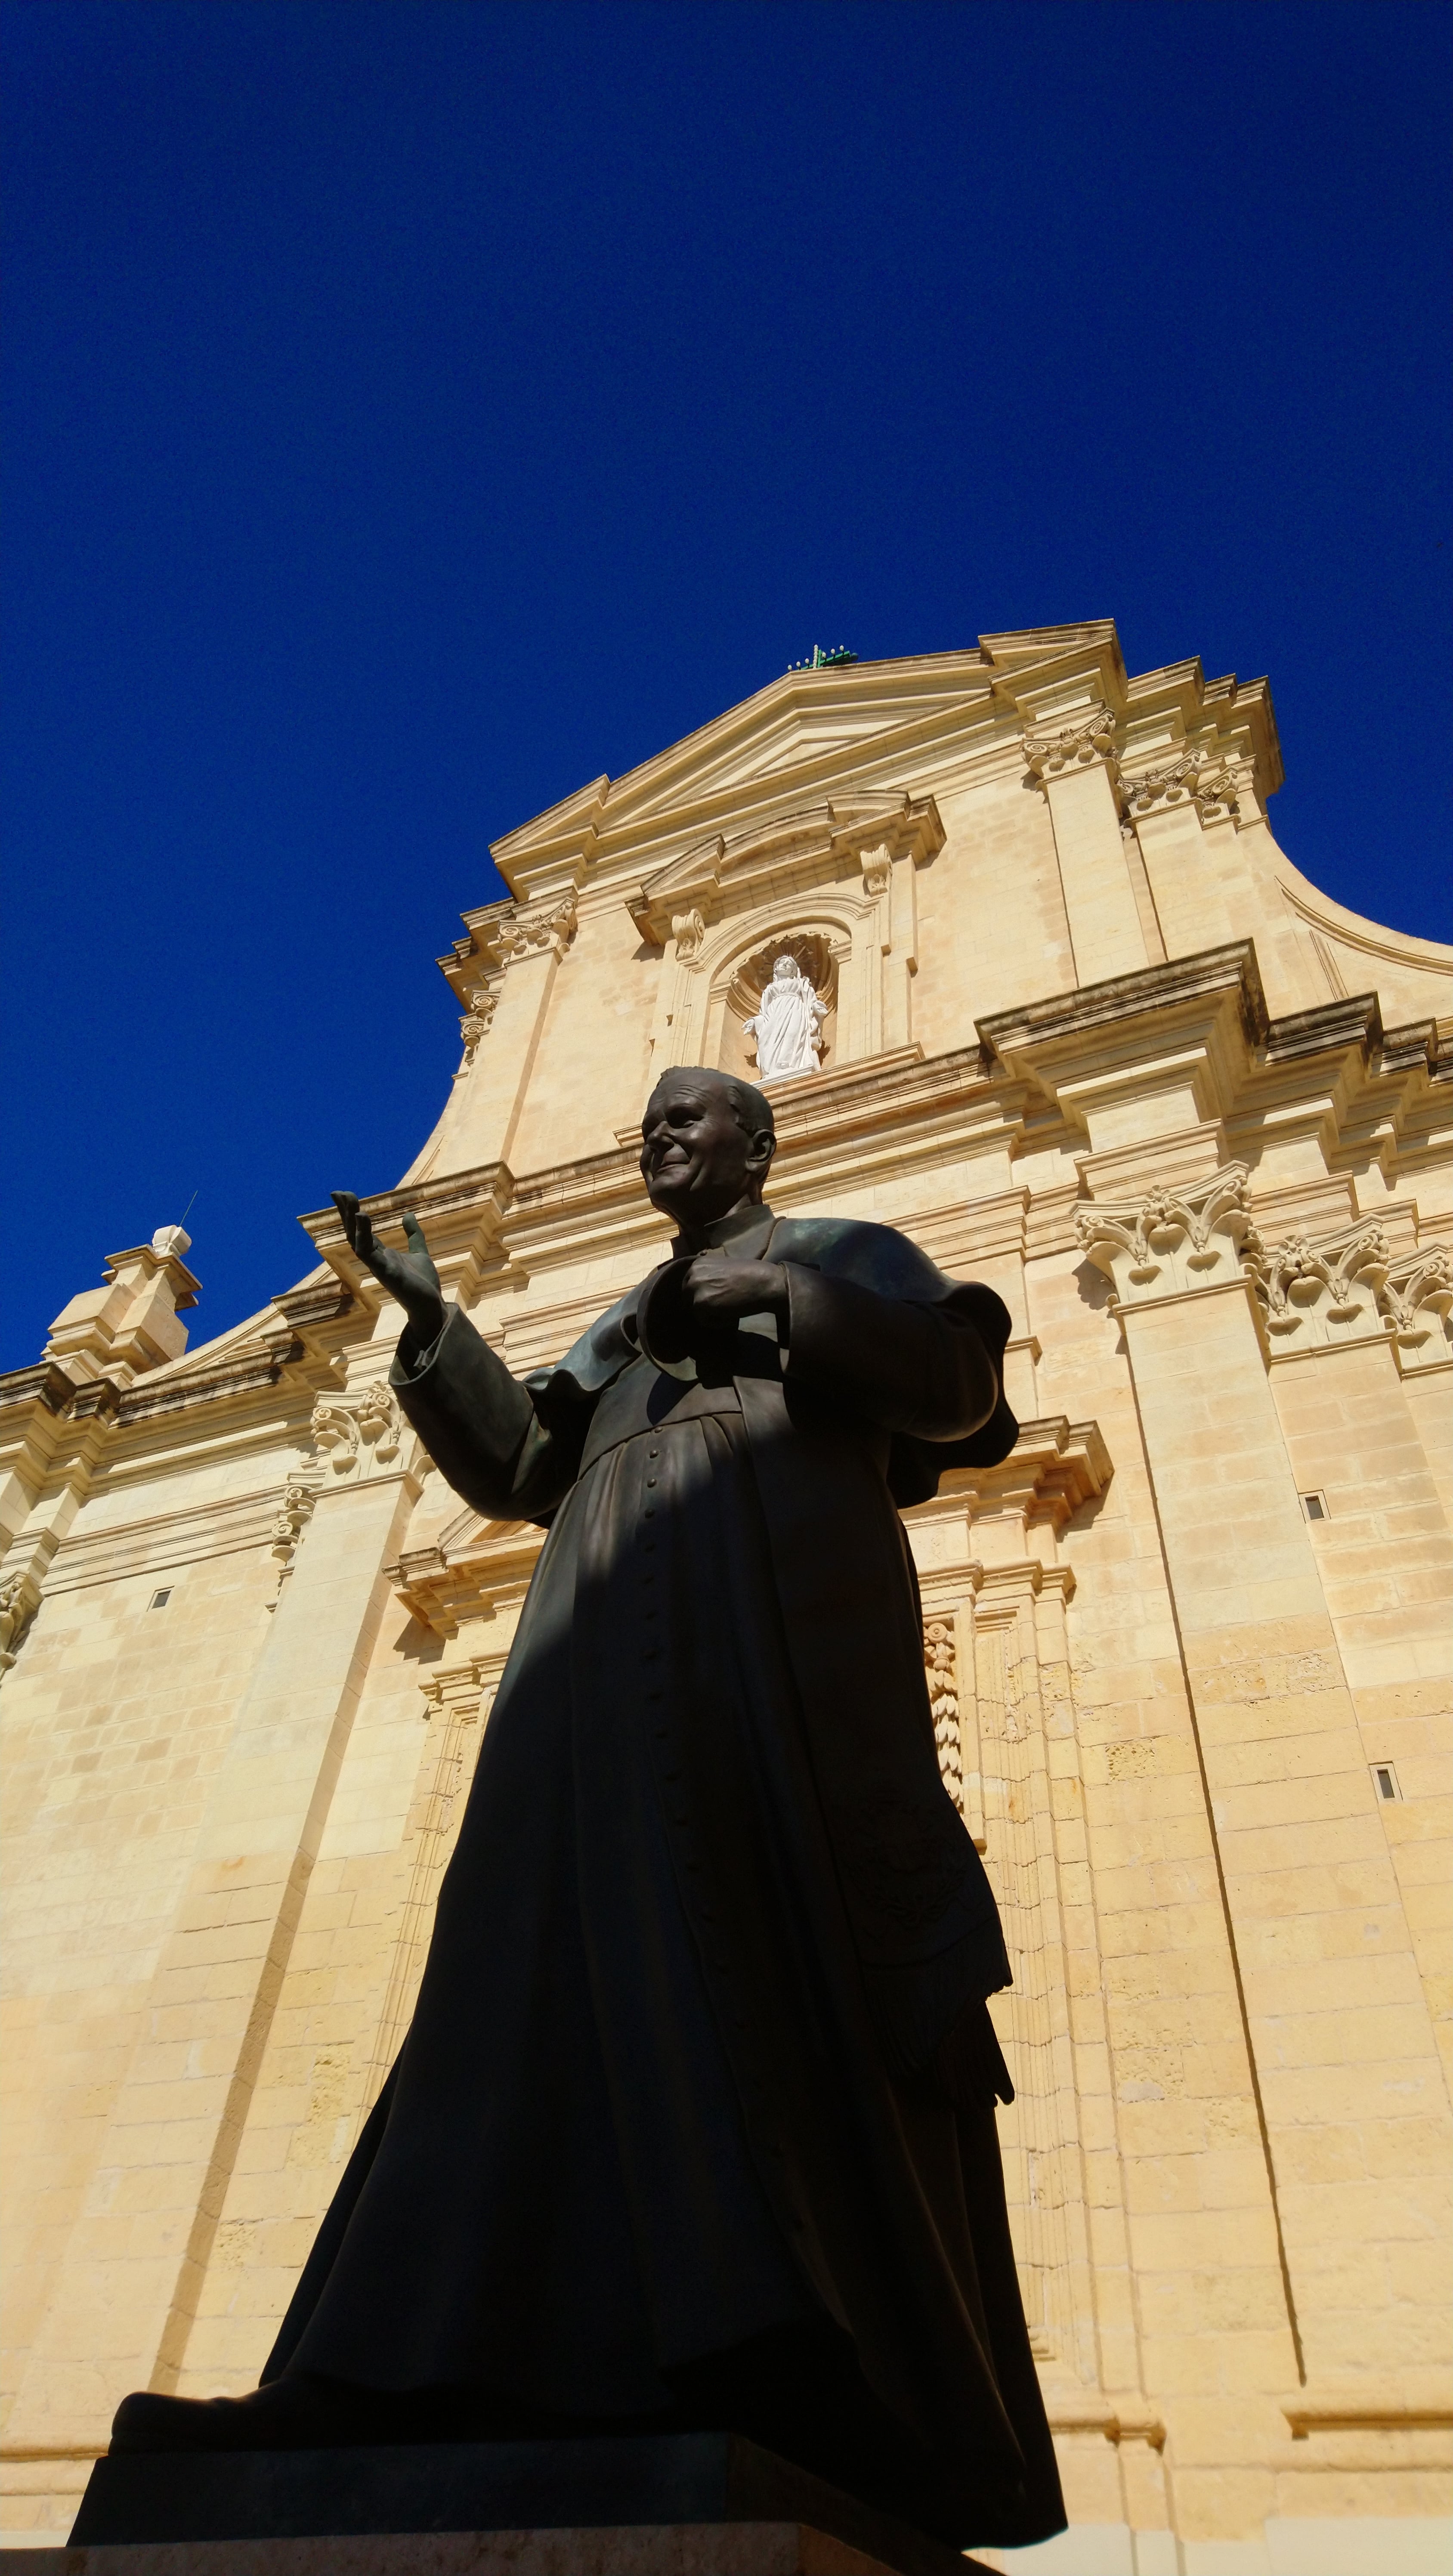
(815, 953)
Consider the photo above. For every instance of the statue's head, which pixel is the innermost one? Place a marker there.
(707, 1142)
(785, 970)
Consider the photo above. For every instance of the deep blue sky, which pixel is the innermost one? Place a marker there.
(415, 407)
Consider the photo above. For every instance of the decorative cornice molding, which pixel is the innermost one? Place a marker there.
(457, 1690)
(1148, 993)
(1054, 1468)
(474, 1570)
(45, 1386)
(250, 1373)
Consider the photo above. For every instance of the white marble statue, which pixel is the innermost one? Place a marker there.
(786, 1024)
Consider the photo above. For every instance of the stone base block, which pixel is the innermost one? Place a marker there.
(642, 2549)
(694, 2504)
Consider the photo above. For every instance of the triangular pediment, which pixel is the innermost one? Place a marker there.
(799, 726)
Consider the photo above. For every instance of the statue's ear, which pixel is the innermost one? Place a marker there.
(760, 1149)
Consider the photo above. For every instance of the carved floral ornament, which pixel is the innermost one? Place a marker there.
(940, 1660)
(1194, 778)
(514, 932)
(1091, 737)
(354, 1430)
(19, 1602)
(1172, 1237)
(476, 1020)
(537, 927)
(1313, 1291)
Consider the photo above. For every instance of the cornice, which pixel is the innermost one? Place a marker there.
(467, 1574)
(1150, 993)
(465, 1210)
(45, 1385)
(247, 1374)
(1054, 1468)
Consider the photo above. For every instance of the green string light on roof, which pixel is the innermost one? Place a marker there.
(824, 659)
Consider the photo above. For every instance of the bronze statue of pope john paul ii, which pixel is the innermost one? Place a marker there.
(695, 2122)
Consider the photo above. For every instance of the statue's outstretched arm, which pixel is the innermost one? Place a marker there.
(478, 1425)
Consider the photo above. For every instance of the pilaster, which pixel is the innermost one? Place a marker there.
(1075, 766)
(1345, 2067)
(129, 2284)
(516, 954)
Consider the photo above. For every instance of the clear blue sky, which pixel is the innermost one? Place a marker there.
(415, 407)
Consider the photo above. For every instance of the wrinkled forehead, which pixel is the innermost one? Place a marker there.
(691, 1087)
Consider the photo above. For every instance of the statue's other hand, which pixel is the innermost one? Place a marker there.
(718, 1289)
(409, 1276)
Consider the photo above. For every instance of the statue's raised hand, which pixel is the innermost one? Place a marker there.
(409, 1276)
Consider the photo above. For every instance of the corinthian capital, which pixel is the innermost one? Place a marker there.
(1315, 1292)
(1416, 1297)
(1193, 779)
(546, 926)
(358, 1432)
(1173, 1240)
(1173, 783)
(1090, 738)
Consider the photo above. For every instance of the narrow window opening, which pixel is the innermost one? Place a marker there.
(1385, 1780)
(1315, 1507)
(159, 1600)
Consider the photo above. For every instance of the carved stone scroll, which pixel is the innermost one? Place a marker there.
(20, 1594)
(356, 1431)
(300, 1493)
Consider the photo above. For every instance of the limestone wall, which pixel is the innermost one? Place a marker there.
(1092, 1040)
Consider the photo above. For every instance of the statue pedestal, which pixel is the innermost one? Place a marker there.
(691, 2504)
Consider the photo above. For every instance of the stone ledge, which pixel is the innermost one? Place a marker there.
(641, 2549)
(628, 2492)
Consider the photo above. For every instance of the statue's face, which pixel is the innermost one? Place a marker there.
(696, 1162)
(785, 970)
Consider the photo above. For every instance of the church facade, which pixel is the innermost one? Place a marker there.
(1064, 1013)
